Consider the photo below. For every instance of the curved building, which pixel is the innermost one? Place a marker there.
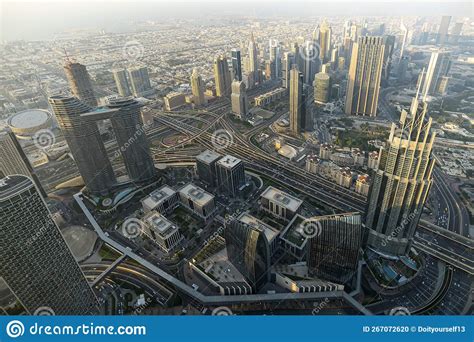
(35, 261)
(80, 83)
(322, 88)
(401, 182)
(27, 123)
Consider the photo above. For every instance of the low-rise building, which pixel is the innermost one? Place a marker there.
(197, 200)
(279, 203)
(344, 177)
(162, 231)
(325, 151)
(163, 200)
(373, 161)
(174, 100)
(362, 185)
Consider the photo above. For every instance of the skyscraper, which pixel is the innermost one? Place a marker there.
(287, 63)
(230, 175)
(365, 72)
(197, 87)
(236, 65)
(249, 251)
(222, 77)
(131, 139)
(443, 29)
(334, 252)
(35, 261)
(121, 81)
(240, 102)
(80, 83)
(140, 81)
(438, 69)
(253, 55)
(206, 166)
(13, 161)
(325, 42)
(322, 88)
(311, 62)
(401, 183)
(85, 143)
(297, 108)
(387, 56)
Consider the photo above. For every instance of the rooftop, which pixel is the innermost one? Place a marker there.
(208, 156)
(293, 232)
(229, 161)
(12, 185)
(159, 224)
(282, 198)
(29, 118)
(158, 196)
(270, 232)
(196, 194)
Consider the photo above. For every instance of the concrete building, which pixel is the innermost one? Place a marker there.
(206, 167)
(279, 203)
(334, 253)
(373, 160)
(35, 261)
(236, 65)
(442, 36)
(362, 184)
(13, 160)
(174, 100)
(239, 100)
(197, 201)
(270, 233)
(325, 151)
(197, 86)
(163, 200)
(230, 175)
(140, 81)
(162, 231)
(322, 88)
(121, 81)
(344, 177)
(287, 64)
(364, 76)
(80, 83)
(222, 77)
(401, 183)
(325, 42)
(435, 79)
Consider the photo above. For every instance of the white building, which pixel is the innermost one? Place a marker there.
(162, 231)
(197, 200)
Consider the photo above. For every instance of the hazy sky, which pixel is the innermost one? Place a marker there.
(32, 20)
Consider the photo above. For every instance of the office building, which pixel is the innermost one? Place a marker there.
(230, 175)
(435, 79)
(325, 42)
(271, 233)
(163, 200)
(401, 182)
(174, 100)
(222, 77)
(402, 69)
(287, 64)
(206, 167)
(236, 65)
(297, 108)
(442, 36)
(271, 96)
(322, 88)
(197, 87)
(13, 160)
(80, 83)
(239, 100)
(197, 201)
(334, 252)
(279, 203)
(253, 55)
(162, 231)
(456, 33)
(35, 261)
(121, 81)
(140, 81)
(365, 72)
(388, 55)
(311, 62)
(85, 143)
(249, 251)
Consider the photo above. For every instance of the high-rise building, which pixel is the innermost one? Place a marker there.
(253, 55)
(127, 122)
(206, 167)
(388, 56)
(35, 261)
(197, 87)
(311, 62)
(236, 65)
(443, 29)
(230, 175)
(140, 81)
(249, 251)
(440, 64)
(297, 108)
(322, 88)
(275, 59)
(456, 32)
(325, 42)
(287, 63)
(80, 83)
(240, 102)
(121, 81)
(402, 69)
(222, 77)
(365, 72)
(401, 182)
(85, 143)
(13, 160)
(334, 252)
